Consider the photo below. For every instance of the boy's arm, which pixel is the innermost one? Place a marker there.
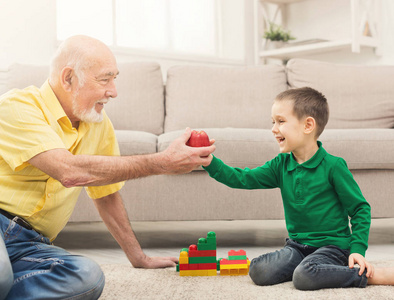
(357, 207)
(263, 177)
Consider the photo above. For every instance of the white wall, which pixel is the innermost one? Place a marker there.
(28, 32)
(331, 19)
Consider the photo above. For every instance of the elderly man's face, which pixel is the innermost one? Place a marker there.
(99, 86)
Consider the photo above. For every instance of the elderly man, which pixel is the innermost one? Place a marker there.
(55, 140)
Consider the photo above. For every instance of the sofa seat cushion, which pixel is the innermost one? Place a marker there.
(237, 147)
(136, 142)
(212, 97)
(358, 96)
(361, 148)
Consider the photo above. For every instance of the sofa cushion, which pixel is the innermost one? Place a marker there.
(136, 142)
(19, 76)
(358, 96)
(237, 147)
(140, 102)
(361, 148)
(209, 97)
(253, 147)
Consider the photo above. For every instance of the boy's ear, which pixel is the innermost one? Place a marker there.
(309, 125)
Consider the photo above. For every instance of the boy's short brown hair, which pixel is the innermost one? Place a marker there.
(308, 102)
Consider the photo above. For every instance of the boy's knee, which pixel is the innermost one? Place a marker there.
(6, 278)
(261, 274)
(304, 277)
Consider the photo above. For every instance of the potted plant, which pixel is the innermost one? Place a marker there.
(276, 36)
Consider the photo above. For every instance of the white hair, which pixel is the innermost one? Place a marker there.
(71, 53)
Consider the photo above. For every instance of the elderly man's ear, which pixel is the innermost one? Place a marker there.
(67, 76)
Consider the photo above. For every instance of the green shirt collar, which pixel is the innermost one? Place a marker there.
(312, 163)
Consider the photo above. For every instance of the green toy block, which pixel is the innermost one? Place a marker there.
(177, 267)
(209, 243)
(218, 264)
(185, 249)
(237, 257)
(202, 260)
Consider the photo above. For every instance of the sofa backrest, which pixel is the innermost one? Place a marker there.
(140, 102)
(219, 97)
(358, 96)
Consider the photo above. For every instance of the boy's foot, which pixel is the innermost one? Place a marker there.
(382, 276)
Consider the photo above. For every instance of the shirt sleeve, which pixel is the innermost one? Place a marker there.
(357, 207)
(263, 177)
(24, 132)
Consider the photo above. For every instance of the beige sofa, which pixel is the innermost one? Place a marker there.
(233, 105)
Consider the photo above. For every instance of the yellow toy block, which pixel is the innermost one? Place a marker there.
(233, 272)
(198, 272)
(235, 269)
(228, 267)
(184, 257)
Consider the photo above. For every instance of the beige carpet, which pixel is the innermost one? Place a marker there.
(125, 282)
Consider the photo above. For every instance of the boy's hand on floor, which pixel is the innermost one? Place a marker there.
(356, 258)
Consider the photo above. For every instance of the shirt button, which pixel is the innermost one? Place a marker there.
(298, 181)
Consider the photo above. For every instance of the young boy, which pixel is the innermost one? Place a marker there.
(319, 195)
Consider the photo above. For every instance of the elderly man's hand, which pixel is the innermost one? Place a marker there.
(179, 158)
(147, 262)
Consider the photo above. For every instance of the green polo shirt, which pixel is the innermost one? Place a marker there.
(318, 195)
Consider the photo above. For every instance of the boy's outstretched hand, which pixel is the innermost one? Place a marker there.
(356, 258)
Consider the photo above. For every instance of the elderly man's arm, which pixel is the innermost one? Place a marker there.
(115, 217)
(93, 170)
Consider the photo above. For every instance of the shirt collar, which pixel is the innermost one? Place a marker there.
(51, 101)
(312, 163)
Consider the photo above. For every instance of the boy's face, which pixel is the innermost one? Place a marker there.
(288, 130)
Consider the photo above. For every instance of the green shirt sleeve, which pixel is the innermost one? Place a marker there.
(354, 202)
(263, 177)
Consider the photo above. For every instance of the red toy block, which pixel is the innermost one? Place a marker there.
(236, 253)
(209, 266)
(184, 267)
(232, 262)
(201, 253)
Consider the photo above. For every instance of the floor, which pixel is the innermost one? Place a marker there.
(168, 238)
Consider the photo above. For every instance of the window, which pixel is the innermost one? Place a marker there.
(171, 26)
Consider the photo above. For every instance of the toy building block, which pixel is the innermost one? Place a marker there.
(198, 273)
(200, 259)
(210, 266)
(209, 243)
(236, 255)
(183, 258)
(238, 265)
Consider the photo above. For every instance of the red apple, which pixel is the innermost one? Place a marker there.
(198, 139)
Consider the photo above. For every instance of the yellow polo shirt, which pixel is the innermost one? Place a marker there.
(33, 121)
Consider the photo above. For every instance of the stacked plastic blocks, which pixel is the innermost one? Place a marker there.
(236, 264)
(200, 259)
